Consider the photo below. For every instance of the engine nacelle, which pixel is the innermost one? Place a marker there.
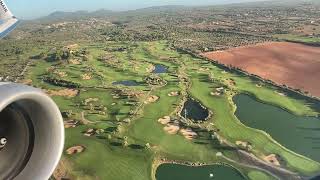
(31, 133)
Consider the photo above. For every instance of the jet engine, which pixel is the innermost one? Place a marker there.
(31, 133)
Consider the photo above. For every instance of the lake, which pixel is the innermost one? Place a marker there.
(210, 172)
(298, 133)
(193, 110)
(126, 83)
(160, 69)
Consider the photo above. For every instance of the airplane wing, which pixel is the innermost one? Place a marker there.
(8, 21)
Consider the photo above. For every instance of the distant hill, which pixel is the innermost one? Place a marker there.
(60, 15)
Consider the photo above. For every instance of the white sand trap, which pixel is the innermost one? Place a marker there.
(188, 134)
(272, 159)
(75, 150)
(165, 120)
(172, 129)
(86, 77)
(174, 93)
(151, 99)
(71, 124)
(74, 61)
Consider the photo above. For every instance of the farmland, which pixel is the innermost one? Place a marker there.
(294, 65)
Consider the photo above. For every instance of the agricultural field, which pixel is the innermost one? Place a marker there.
(122, 104)
(276, 62)
(218, 91)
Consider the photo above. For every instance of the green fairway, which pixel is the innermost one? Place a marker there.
(130, 141)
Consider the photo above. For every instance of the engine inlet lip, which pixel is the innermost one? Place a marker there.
(44, 113)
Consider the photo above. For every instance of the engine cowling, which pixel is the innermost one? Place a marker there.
(31, 133)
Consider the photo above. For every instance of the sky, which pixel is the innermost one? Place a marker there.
(29, 9)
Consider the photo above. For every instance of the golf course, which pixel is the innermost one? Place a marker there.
(144, 110)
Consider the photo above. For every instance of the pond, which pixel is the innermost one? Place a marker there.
(160, 69)
(212, 172)
(194, 110)
(298, 133)
(126, 83)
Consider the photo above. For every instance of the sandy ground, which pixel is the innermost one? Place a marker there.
(165, 120)
(75, 150)
(273, 159)
(188, 133)
(151, 99)
(174, 93)
(86, 77)
(172, 129)
(296, 65)
(63, 92)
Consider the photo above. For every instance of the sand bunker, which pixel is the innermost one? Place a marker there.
(71, 124)
(273, 159)
(75, 150)
(215, 94)
(172, 129)
(165, 120)
(244, 144)
(151, 99)
(61, 74)
(231, 82)
(280, 93)
(204, 69)
(86, 77)
(89, 100)
(174, 93)
(74, 61)
(90, 132)
(188, 134)
(63, 92)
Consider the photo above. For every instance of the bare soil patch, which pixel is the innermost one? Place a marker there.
(165, 120)
(292, 64)
(172, 129)
(272, 159)
(75, 150)
(174, 93)
(63, 92)
(86, 77)
(188, 134)
(151, 99)
(71, 124)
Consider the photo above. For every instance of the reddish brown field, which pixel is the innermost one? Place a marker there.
(296, 65)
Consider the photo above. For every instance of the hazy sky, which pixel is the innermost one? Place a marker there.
(35, 8)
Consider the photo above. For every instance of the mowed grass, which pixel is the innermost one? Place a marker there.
(103, 160)
(266, 93)
(232, 129)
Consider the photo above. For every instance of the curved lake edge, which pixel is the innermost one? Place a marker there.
(160, 69)
(182, 105)
(235, 108)
(253, 96)
(158, 162)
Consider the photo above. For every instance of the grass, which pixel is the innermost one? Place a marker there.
(292, 37)
(104, 160)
